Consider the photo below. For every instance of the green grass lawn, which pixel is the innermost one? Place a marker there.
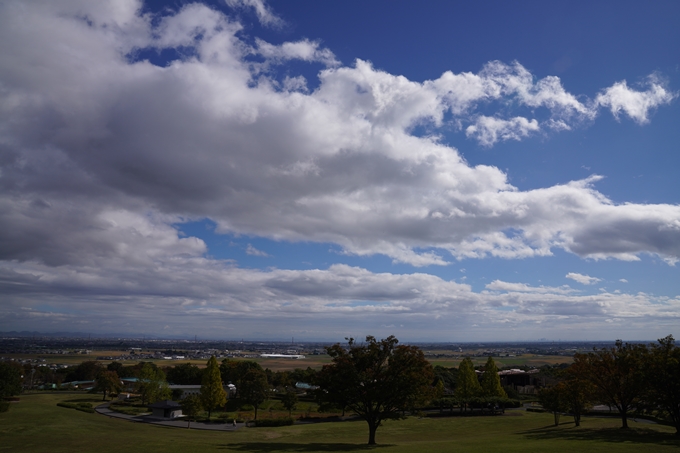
(37, 424)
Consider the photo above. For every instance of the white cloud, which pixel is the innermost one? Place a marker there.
(498, 285)
(195, 291)
(623, 280)
(583, 279)
(636, 104)
(101, 154)
(488, 130)
(304, 50)
(264, 13)
(206, 137)
(250, 250)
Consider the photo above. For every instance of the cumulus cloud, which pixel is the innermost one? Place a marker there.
(264, 13)
(583, 279)
(636, 104)
(488, 130)
(304, 50)
(206, 137)
(102, 152)
(217, 296)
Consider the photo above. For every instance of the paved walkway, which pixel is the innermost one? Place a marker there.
(104, 409)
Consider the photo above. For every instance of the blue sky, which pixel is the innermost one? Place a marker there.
(246, 169)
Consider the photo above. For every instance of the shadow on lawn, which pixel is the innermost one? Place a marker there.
(616, 435)
(292, 447)
(91, 399)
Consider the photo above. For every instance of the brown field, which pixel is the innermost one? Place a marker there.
(525, 359)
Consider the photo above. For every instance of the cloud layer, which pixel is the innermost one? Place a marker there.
(101, 152)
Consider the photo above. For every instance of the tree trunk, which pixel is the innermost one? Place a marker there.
(255, 406)
(372, 428)
(556, 415)
(624, 420)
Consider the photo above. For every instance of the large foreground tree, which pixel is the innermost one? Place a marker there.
(663, 379)
(377, 380)
(616, 373)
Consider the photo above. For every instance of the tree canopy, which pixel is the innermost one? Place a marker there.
(212, 392)
(254, 388)
(10, 379)
(616, 373)
(491, 382)
(467, 384)
(662, 367)
(152, 384)
(107, 381)
(377, 380)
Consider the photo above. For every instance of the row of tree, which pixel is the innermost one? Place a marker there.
(628, 377)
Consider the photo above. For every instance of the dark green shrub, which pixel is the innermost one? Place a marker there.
(272, 422)
(89, 410)
(4, 406)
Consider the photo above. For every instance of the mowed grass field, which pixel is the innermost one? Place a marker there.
(36, 424)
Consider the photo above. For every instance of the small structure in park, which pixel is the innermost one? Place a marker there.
(166, 409)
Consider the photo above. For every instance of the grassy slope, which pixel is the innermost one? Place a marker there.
(36, 424)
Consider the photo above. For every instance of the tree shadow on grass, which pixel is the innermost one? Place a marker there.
(257, 447)
(614, 435)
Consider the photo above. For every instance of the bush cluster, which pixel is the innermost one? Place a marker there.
(271, 422)
(83, 407)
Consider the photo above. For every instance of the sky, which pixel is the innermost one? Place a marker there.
(438, 171)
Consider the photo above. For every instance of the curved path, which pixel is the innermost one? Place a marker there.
(104, 409)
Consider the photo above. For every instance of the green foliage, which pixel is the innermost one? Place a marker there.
(448, 376)
(234, 371)
(491, 382)
(86, 371)
(152, 384)
(552, 400)
(4, 406)
(212, 392)
(184, 374)
(107, 381)
(191, 406)
(377, 380)
(10, 379)
(254, 388)
(289, 400)
(616, 373)
(467, 384)
(662, 377)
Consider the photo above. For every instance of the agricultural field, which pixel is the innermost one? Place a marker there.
(279, 364)
(531, 360)
(37, 424)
